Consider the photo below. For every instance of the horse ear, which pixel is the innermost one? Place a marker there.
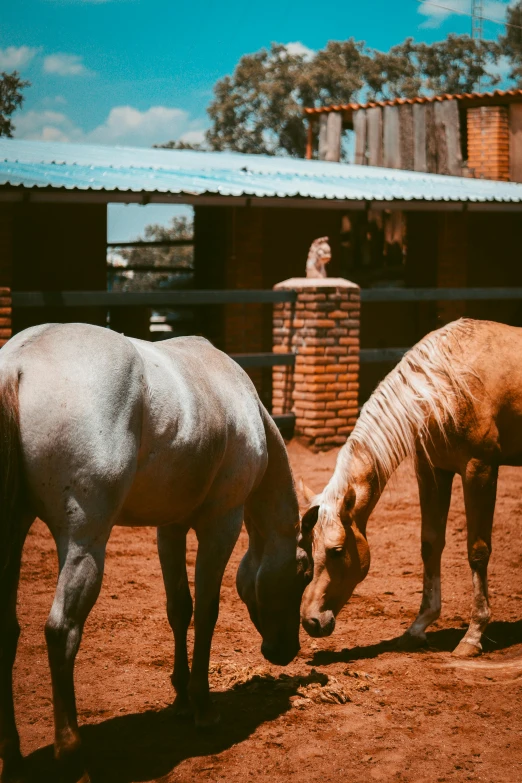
(306, 492)
(308, 520)
(349, 499)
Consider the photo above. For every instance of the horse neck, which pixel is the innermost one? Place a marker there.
(273, 507)
(356, 467)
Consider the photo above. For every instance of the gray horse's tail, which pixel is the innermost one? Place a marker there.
(10, 469)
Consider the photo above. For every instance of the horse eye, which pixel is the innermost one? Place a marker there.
(335, 551)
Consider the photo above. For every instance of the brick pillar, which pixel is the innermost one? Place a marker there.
(322, 329)
(6, 267)
(488, 142)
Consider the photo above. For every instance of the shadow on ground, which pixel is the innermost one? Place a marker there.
(498, 636)
(148, 745)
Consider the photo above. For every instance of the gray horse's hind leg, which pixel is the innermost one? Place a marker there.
(216, 542)
(435, 496)
(172, 541)
(79, 582)
(480, 491)
(9, 633)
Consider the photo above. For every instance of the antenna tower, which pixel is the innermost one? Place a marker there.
(477, 20)
(477, 9)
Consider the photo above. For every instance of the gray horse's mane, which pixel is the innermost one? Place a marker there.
(428, 385)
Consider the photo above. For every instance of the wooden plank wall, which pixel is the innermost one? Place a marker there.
(418, 137)
(334, 129)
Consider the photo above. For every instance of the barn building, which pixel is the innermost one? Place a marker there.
(255, 217)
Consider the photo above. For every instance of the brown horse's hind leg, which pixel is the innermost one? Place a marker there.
(172, 554)
(79, 582)
(480, 489)
(9, 633)
(435, 495)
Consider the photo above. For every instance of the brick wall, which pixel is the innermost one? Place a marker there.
(322, 328)
(488, 142)
(6, 271)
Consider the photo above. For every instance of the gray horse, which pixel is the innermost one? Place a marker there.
(98, 430)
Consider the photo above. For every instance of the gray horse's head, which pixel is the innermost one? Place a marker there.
(270, 581)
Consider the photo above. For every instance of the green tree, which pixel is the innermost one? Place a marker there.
(259, 108)
(160, 258)
(458, 64)
(11, 99)
(512, 41)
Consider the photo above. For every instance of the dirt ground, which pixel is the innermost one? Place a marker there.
(409, 716)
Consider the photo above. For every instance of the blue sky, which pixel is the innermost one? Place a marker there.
(142, 71)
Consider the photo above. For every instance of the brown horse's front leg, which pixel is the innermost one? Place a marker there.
(79, 582)
(172, 543)
(216, 542)
(480, 490)
(435, 495)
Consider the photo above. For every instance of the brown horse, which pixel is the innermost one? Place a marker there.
(454, 404)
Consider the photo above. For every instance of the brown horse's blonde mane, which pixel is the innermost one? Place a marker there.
(428, 385)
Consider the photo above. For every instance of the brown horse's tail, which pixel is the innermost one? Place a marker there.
(10, 470)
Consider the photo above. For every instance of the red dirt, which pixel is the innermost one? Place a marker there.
(415, 718)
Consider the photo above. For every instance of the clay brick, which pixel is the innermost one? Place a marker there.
(309, 405)
(318, 415)
(348, 341)
(337, 350)
(339, 422)
(335, 405)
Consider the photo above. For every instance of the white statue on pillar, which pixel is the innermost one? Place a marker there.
(318, 256)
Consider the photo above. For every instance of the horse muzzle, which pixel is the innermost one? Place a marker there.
(280, 656)
(322, 624)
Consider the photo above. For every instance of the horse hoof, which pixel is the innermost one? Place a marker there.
(13, 771)
(207, 719)
(181, 708)
(409, 642)
(467, 650)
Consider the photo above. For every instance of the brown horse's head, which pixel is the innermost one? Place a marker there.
(270, 580)
(334, 538)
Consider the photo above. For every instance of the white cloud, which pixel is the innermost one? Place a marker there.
(298, 48)
(65, 65)
(127, 125)
(16, 57)
(435, 14)
(124, 125)
(46, 125)
(196, 136)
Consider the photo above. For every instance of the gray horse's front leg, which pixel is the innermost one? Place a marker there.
(79, 582)
(435, 496)
(172, 542)
(9, 633)
(216, 542)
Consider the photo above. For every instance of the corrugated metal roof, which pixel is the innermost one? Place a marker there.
(500, 96)
(81, 168)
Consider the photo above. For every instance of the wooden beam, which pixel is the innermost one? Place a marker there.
(310, 140)
(420, 162)
(439, 294)
(323, 136)
(450, 114)
(146, 298)
(374, 120)
(334, 129)
(359, 126)
(391, 138)
(406, 136)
